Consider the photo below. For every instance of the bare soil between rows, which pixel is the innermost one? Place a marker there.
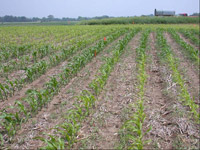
(188, 41)
(39, 82)
(170, 128)
(100, 130)
(51, 116)
(189, 71)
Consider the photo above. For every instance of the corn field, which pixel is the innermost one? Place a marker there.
(99, 87)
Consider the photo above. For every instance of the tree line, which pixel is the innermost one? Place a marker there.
(49, 18)
(10, 18)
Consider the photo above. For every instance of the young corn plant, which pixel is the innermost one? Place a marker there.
(4, 93)
(192, 53)
(52, 143)
(36, 99)
(10, 121)
(14, 52)
(1, 140)
(36, 70)
(98, 83)
(9, 87)
(190, 35)
(22, 109)
(41, 52)
(69, 129)
(184, 95)
(132, 130)
(86, 100)
(41, 67)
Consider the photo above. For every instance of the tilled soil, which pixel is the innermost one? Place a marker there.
(188, 41)
(51, 116)
(189, 70)
(19, 73)
(100, 130)
(37, 84)
(170, 128)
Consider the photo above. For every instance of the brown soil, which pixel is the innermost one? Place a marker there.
(38, 83)
(188, 41)
(53, 115)
(170, 130)
(189, 70)
(172, 127)
(100, 130)
(65, 39)
(17, 74)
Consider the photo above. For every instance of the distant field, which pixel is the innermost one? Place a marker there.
(143, 20)
(99, 87)
(39, 23)
(109, 21)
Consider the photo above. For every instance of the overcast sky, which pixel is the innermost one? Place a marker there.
(91, 8)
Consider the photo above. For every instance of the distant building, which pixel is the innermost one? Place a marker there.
(164, 13)
(195, 14)
(183, 14)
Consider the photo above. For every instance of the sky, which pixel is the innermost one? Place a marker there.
(92, 8)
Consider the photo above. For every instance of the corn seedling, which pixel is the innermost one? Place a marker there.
(133, 128)
(184, 95)
(190, 35)
(36, 99)
(86, 100)
(192, 53)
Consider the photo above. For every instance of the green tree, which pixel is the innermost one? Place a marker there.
(50, 17)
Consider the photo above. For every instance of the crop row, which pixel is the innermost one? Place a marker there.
(22, 61)
(17, 36)
(67, 131)
(36, 99)
(14, 51)
(20, 52)
(10, 86)
(46, 50)
(195, 32)
(167, 55)
(187, 33)
(192, 53)
(132, 130)
(10, 51)
(141, 20)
